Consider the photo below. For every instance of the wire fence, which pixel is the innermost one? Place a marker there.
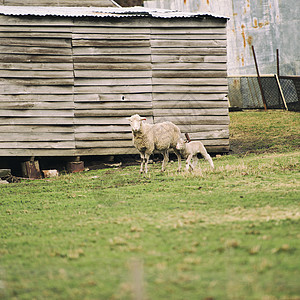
(244, 92)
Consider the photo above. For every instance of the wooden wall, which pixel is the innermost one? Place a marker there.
(68, 84)
(36, 87)
(189, 79)
(112, 67)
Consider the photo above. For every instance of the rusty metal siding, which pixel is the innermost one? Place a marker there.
(266, 24)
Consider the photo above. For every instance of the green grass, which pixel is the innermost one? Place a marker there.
(232, 233)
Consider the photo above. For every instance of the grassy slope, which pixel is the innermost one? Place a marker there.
(228, 234)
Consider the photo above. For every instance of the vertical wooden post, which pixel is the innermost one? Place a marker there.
(259, 80)
(277, 60)
(281, 92)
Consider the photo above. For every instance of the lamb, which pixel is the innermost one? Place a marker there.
(149, 137)
(189, 151)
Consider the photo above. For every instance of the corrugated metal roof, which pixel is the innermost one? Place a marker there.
(98, 12)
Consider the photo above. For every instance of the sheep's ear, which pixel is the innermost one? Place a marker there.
(128, 118)
(143, 119)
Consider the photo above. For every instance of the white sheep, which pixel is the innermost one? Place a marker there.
(149, 137)
(189, 151)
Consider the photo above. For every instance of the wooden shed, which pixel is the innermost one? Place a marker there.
(70, 76)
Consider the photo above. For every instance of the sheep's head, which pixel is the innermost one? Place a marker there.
(180, 144)
(135, 122)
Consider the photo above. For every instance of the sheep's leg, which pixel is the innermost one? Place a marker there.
(147, 156)
(204, 153)
(188, 162)
(165, 161)
(142, 162)
(179, 159)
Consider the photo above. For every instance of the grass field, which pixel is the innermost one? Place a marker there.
(232, 233)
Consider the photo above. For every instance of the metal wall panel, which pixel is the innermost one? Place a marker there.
(266, 24)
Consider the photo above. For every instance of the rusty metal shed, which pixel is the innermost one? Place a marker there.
(70, 76)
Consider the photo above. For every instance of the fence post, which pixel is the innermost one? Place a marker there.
(259, 80)
(280, 91)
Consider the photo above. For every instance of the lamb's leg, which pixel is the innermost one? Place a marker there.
(179, 159)
(194, 161)
(188, 162)
(165, 161)
(204, 153)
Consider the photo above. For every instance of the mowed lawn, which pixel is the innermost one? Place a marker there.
(232, 233)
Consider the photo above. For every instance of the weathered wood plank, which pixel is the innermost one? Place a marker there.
(15, 89)
(20, 58)
(35, 29)
(187, 97)
(110, 43)
(111, 113)
(209, 135)
(36, 42)
(188, 59)
(188, 43)
(103, 144)
(36, 105)
(112, 89)
(36, 81)
(204, 22)
(113, 97)
(102, 129)
(189, 89)
(35, 136)
(36, 113)
(34, 50)
(189, 51)
(111, 30)
(186, 36)
(29, 34)
(112, 58)
(188, 74)
(188, 31)
(36, 121)
(216, 142)
(102, 121)
(26, 129)
(37, 21)
(38, 145)
(112, 105)
(36, 66)
(195, 120)
(109, 50)
(38, 152)
(36, 74)
(189, 66)
(126, 35)
(103, 136)
(189, 104)
(112, 81)
(190, 112)
(201, 128)
(106, 151)
(190, 81)
(36, 97)
(128, 23)
(112, 66)
(112, 74)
